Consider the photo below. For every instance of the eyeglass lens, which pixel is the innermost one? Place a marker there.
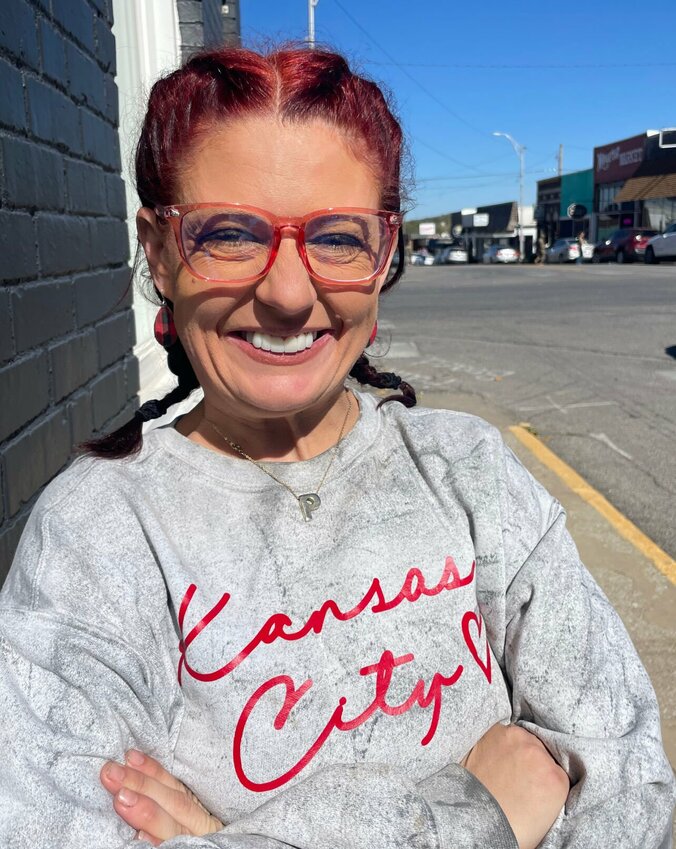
(230, 244)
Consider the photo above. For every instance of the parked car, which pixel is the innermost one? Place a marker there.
(623, 245)
(422, 259)
(500, 253)
(451, 255)
(568, 250)
(662, 246)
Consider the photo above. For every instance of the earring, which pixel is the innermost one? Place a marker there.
(165, 329)
(374, 333)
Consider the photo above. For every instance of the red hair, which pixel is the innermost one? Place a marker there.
(294, 84)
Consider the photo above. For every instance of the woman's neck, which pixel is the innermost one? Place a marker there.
(285, 438)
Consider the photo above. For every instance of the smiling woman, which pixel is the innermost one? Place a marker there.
(198, 647)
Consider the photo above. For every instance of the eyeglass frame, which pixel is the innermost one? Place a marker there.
(175, 213)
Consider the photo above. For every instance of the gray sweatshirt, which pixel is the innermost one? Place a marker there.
(316, 683)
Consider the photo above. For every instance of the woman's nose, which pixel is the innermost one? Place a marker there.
(287, 287)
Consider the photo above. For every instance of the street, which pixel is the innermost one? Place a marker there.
(585, 354)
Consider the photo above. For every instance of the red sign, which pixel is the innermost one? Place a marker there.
(618, 161)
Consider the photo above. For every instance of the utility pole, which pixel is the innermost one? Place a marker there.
(560, 159)
(520, 151)
(311, 22)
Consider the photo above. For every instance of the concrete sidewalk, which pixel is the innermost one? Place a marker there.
(642, 595)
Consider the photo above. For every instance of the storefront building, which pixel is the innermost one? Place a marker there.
(653, 185)
(425, 233)
(495, 224)
(548, 209)
(474, 228)
(614, 165)
(576, 198)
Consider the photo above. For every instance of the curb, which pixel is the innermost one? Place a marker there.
(624, 527)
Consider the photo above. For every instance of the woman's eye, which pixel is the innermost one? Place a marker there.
(337, 240)
(227, 235)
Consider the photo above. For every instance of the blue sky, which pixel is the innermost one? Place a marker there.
(578, 75)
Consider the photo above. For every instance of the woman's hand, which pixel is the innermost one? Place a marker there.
(527, 783)
(151, 800)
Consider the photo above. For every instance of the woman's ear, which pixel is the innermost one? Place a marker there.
(154, 236)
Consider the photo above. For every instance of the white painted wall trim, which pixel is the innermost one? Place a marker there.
(147, 46)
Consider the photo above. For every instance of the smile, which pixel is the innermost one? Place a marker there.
(282, 350)
(280, 344)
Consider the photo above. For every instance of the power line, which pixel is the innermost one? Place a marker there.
(403, 70)
(522, 67)
(450, 158)
(480, 176)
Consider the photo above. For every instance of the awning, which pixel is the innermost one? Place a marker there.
(643, 188)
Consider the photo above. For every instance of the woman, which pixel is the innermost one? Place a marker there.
(318, 613)
(581, 242)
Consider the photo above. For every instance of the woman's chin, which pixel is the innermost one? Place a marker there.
(282, 395)
(283, 385)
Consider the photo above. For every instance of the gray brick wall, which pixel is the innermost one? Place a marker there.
(231, 23)
(66, 328)
(207, 23)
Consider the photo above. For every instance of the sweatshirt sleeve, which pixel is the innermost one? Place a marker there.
(82, 678)
(577, 682)
(370, 806)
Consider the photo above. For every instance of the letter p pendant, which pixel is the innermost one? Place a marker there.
(308, 504)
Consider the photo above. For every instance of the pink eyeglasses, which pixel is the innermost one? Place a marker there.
(233, 243)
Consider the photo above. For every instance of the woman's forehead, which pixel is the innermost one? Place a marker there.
(277, 165)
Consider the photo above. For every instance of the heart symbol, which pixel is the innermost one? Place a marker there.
(467, 619)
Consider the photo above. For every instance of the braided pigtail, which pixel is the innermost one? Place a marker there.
(127, 440)
(363, 372)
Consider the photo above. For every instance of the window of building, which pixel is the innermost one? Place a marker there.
(607, 193)
(659, 213)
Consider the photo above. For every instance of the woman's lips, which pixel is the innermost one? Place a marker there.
(283, 358)
(280, 344)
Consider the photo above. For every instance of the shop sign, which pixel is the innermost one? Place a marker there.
(668, 138)
(480, 219)
(427, 228)
(468, 216)
(618, 161)
(577, 211)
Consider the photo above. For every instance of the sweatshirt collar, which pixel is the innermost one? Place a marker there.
(238, 473)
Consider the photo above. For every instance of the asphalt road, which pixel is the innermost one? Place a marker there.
(585, 354)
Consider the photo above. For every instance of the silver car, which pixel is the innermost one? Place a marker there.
(662, 246)
(500, 253)
(451, 255)
(568, 250)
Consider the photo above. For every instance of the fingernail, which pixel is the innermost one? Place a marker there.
(115, 772)
(127, 797)
(135, 758)
(143, 836)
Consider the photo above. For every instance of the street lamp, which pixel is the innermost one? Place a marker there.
(520, 150)
(311, 22)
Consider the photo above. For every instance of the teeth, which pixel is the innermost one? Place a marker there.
(280, 344)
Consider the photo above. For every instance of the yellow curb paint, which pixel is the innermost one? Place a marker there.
(579, 485)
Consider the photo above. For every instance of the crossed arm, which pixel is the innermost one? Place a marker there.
(512, 765)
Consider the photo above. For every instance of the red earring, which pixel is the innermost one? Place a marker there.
(165, 329)
(374, 333)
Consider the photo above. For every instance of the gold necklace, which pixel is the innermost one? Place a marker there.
(309, 501)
